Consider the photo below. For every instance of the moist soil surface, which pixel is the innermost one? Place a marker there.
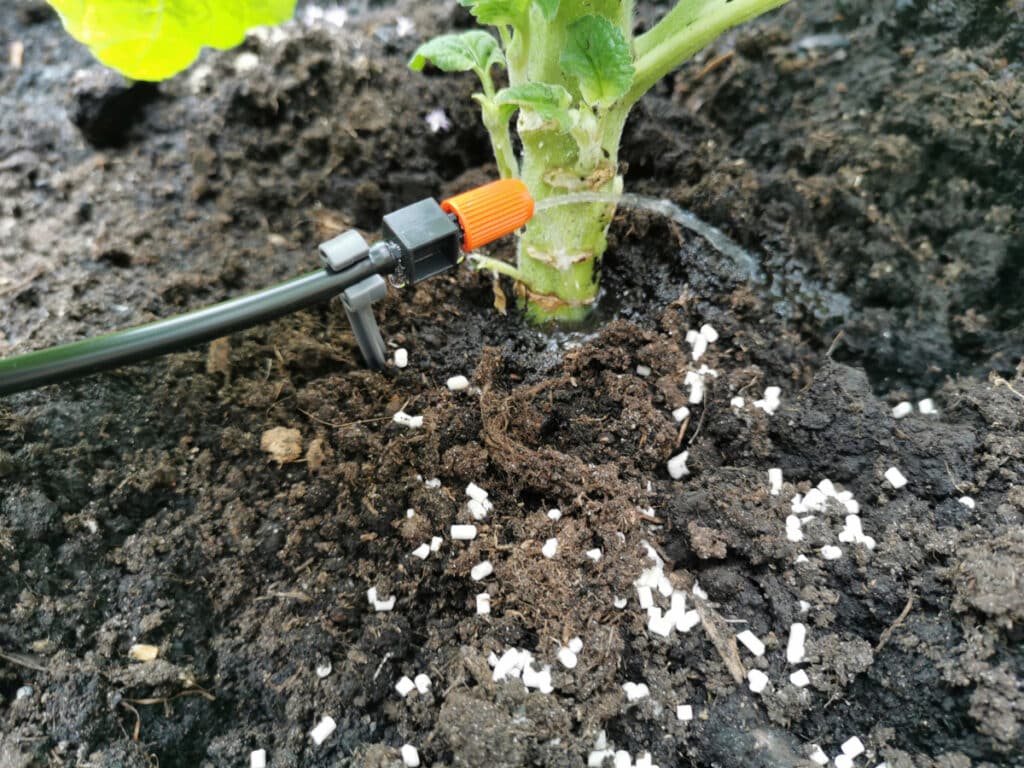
(231, 506)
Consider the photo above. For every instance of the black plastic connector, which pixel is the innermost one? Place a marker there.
(429, 240)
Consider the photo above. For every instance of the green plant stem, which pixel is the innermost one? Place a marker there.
(494, 265)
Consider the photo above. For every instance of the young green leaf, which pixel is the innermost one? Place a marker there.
(597, 55)
(497, 12)
(154, 39)
(548, 8)
(474, 50)
(550, 102)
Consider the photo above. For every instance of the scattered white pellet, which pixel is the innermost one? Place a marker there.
(477, 509)
(696, 385)
(246, 62)
(576, 644)
(688, 620)
(643, 371)
(708, 332)
(700, 346)
(665, 588)
(636, 691)
(322, 730)
(927, 406)
(818, 755)
(554, 515)
(620, 602)
(799, 679)
(843, 761)
(770, 402)
(474, 491)
(258, 758)
(23, 692)
(435, 543)
(405, 686)
(752, 642)
(481, 571)
(815, 500)
(463, 532)
(509, 665)
(404, 27)
(410, 756)
(895, 478)
(483, 604)
(801, 559)
(684, 712)
(698, 592)
(597, 757)
(853, 747)
(797, 639)
(775, 481)
(681, 414)
(660, 624)
(757, 680)
(644, 760)
(401, 357)
(539, 679)
(793, 530)
(550, 548)
(900, 410)
(422, 682)
(804, 606)
(677, 468)
(437, 120)
(645, 596)
(403, 418)
(378, 604)
(457, 383)
(737, 402)
(967, 501)
(323, 670)
(622, 759)
(567, 658)
(422, 551)
(830, 552)
(432, 483)
(594, 554)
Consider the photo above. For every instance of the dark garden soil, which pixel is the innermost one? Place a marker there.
(869, 155)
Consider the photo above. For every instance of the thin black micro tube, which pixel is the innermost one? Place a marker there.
(81, 358)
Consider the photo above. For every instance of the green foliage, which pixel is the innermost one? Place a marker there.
(597, 55)
(497, 12)
(475, 50)
(550, 102)
(155, 39)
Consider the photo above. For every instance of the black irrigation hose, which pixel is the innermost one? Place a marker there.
(81, 358)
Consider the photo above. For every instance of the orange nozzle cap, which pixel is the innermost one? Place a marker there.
(491, 211)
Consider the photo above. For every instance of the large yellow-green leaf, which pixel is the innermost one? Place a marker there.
(154, 39)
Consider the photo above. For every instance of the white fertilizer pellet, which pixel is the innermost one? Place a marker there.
(775, 481)
(457, 383)
(737, 402)
(405, 686)
(830, 552)
(799, 679)
(474, 491)
(795, 646)
(901, 410)
(435, 543)
(895, 478)
(567, 658)
(463, 532)
(323, 670)
(757, 680)
(477, 509)
(554, 515)
(752, 642)
(770, 402)
(576, 645)
(403, 418)
(636, 691)
(684, 712)
(843, 761)
(550, 548)
(401, 357)
(410, 757)
(593, 554)
(818, 755)
(645, 596)
(258, 758)
(681, 414)
(620, 602)
(378, 604)
(927, 406)
(483, 604)
(853, 747)
(696, 385)
(422, 551)
(481, 571)
(677, 466)
(967, 501)
(708, 332)
(509, 665)
(643, 371)
(422, 683)
(322, 730)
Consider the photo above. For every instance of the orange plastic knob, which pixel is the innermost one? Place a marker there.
(491, 211)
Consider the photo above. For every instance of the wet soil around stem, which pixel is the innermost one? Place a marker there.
(868, 155)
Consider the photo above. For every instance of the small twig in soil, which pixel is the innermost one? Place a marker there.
(722, 639)
(292, 595)
(682, 431)
(343, 424)
(23, 660)
(164, 699)
(884, 637)
(714, 64)
(703, 411)
(138, 719)
(997, 380)
(835, 343)
(960, 487)
(380, 666)
(650, 518)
